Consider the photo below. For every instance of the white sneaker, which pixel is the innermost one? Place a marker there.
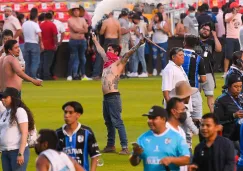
(155, 73)
(133, 74)
(143, 75)
(69, 78)
(85, 78)
(224, 75)
(161, 73)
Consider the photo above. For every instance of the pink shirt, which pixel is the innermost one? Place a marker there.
(233, 27)
(12, 23)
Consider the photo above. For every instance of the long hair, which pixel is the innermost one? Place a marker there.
(15, 104)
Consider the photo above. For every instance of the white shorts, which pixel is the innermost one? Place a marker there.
(209, 86)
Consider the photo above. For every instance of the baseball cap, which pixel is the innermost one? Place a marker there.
(10, 91)
(157, 111)
(231, 79)
(234, 5)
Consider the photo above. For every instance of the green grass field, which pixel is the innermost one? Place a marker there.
(138, 95)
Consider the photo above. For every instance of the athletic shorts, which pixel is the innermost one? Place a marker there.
(209, 86)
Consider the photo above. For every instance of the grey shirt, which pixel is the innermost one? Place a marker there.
(191, 24)
(125, 24)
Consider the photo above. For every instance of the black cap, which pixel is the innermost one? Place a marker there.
(10, 91)
(231, 79)
(136, 16)
(157, 111)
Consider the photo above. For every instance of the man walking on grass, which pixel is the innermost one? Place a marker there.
(113, 68)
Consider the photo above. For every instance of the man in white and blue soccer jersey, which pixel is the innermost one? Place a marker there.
(160, 148)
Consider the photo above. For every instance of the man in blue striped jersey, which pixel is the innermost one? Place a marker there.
(76, 140)
(194, 67)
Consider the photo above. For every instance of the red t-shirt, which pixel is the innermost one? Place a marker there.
(48, 31)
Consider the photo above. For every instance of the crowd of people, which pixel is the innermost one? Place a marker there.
(28, 52)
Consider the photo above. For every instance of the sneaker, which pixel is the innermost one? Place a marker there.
(108, 149)
(85, 78)
(69, 78)
(155, 73)
(161, 73)
(124, 151)
(133, 74)
(224, 75)
(143, 75)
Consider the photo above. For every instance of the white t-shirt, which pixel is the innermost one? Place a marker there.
(141, 28)
(10, 135)
(59, 161)
(172, 74)
(13, 24)
(183, 134)
(2, 108)
(30, 31)
(159, 36)
(60, 28)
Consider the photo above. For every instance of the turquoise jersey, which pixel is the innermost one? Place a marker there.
(157, 147)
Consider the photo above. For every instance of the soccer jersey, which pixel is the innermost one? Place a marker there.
(193, 66)
(79, 145)
(157, 147)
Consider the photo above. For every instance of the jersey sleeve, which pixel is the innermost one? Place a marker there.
(182, 147)
(93, 147)
(201, 66)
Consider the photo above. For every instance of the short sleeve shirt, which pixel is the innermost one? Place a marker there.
(171, 75)
(12, 23)
(49, 30)
(125, 24)
(30, 31)
(160, 146)
(60, 28)
(191, 24)
(10, 135)
(233, 27)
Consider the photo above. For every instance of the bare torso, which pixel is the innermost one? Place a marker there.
(111, 77)
(78, 23)
(8, 78)
(112, 28)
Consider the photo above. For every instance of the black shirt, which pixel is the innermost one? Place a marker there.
(218, 157)
(224, 108)
(206, 50)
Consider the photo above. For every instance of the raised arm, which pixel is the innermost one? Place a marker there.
(100, 50)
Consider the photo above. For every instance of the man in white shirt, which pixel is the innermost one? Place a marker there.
(12, 23)
(173, 72)
(176, 116)
(60, 36)
(49, 159)
(33, 43)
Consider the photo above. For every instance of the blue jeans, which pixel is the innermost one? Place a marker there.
(77, 57)
(21, 46)
(46, 60)
(163, 55)
(32, 58)
(9, 160)
(112, 115)
(137, 57)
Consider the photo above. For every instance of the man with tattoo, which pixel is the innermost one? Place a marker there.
(113, 67)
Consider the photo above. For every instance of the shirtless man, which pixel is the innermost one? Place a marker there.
(11, 73)
(113, 67)
(111, 30)
(77, 43)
